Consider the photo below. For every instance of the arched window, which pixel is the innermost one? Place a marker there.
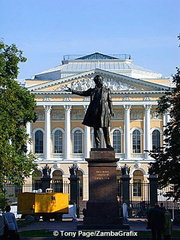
(136, 141)
(58, 141)
(78, 141)
(117, 141)
(137, 183)
(36, 180)
(155, 140)
(39, 141)
(57, 181)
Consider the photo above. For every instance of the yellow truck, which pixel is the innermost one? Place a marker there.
(45, 205)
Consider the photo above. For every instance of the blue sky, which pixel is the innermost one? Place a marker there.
(45, 30)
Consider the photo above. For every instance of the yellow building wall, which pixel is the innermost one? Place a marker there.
(57, 99)
(156, 124)
(38, 125)
(36, 82)
(76, 124)
(39, 99)
(136, 124)
(159, 81)
(57, 125)
(118, 124)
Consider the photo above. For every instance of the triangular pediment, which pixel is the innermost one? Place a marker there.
(96, 56)
(115, 82)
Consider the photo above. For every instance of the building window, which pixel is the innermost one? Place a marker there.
(36, 180)
(137, 188)
(136, 141)
(117, 141)
(77, 141)
(57, 181)
(39, 141)
(58, 141)
(156, 140)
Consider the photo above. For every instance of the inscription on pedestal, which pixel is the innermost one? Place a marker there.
(102, 175)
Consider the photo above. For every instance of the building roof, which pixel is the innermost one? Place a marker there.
(115, 82)
(97, 55)
(121, 64)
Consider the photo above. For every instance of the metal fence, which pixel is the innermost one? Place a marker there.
(12, 191)
(139, 198)
(139, 194)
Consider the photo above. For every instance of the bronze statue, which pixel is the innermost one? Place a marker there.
(73, 170)
(125, 170)
(46, 171)
(99, 110)
(151, 170)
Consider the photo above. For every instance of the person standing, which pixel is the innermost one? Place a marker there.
(167, 225)
(156, 222)
(99, 110)
(125, 211)
(11, 220)
(4, 229)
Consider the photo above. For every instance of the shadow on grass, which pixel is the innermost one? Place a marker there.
(23, 223)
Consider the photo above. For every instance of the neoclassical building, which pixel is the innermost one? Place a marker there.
(58, 137)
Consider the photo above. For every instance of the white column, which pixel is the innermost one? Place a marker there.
(28, 131)
(87, 139)
(87, 142)
(67, 132)
(85, 187)
(166, 119)
(47, 145)
(127, 144)
(147, 136)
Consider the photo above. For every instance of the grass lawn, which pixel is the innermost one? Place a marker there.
(175, 233)
(36, 233)
(23, 223)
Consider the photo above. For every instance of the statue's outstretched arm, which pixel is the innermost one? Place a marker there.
(82, 93)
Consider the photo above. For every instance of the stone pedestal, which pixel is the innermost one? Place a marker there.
(74, 188)
(102, 209)
(74, 192)
(153, 180)
(125, 189)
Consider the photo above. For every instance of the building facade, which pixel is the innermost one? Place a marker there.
(59, 138)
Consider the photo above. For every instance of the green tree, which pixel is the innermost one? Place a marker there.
(167, 164)
(16, 109)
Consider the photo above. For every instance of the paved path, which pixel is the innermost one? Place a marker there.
(135, 224)
(138, 225)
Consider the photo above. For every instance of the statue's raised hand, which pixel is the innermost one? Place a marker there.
(68, 89)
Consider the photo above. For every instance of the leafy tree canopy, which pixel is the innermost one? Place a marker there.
(167, 164)
(16, 109)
